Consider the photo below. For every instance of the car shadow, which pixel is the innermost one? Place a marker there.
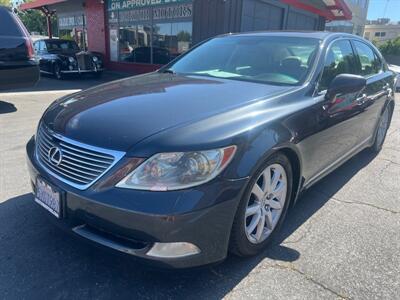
(7, 107)
(42, 260)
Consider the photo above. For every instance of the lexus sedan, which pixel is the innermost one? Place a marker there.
(206, 155)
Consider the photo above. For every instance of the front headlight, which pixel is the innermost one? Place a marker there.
(178, 170)
(95, 59)
(71, 59)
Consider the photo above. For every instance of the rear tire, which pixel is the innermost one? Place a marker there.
(259, 200)
(381, 130)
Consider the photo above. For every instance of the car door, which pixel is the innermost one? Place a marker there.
(44, 57)
(370, 65)
(334, 124)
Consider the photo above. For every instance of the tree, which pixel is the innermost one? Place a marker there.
(34, 20)
(184, 36)
(391, 47)
(5, 3)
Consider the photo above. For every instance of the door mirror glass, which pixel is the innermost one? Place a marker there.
(346, 84)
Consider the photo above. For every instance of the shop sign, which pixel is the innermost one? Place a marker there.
(70, 21)
(134, 15)
(136, 4)
(173, 12)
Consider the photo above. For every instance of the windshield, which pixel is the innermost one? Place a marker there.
(61, 46)
(267, 59)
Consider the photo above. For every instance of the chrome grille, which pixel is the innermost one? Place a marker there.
(80, 164)
(84, 61)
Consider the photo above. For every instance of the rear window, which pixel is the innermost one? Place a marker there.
(8, 26)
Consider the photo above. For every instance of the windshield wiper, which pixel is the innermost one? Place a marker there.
(169, 71)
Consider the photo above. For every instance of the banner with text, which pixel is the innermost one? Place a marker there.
(114, 5)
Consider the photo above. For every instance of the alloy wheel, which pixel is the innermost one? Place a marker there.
(265, 203)
(383, 126)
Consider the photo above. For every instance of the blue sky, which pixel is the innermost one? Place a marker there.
(377, 9)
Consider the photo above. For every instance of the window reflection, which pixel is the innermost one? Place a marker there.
(133, 42)
(174, 38)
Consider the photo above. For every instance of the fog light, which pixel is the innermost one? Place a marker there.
(173, 250)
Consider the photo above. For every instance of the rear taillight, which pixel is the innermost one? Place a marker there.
(29, 48)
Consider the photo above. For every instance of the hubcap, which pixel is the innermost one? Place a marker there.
(265, 203)
(383, 126)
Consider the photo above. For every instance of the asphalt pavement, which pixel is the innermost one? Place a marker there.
(342, 240)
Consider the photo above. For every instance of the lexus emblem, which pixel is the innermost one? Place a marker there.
(55, 156)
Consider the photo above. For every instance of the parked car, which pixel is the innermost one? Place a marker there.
(18, 68)
(207, 154)
(60, 57)
(396, 70)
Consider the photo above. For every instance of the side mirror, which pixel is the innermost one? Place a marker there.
(346, 84)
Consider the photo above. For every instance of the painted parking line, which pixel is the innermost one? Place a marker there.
(32, 93)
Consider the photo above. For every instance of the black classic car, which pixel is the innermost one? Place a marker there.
(61, 57)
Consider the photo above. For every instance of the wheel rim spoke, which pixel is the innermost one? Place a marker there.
(260, 227)
(252, 210)
(274, 204)
(258, 192)
(253, 223)
(275, 179)
(267, 180)
(268, 220)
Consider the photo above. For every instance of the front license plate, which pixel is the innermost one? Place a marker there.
(48, 197)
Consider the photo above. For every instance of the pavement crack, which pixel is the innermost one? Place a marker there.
(291, 267)
(390, 161)
(367, 204)
(307, 231)
(359, 203)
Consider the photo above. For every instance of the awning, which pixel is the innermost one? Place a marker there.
(329, 9)
(38, 4)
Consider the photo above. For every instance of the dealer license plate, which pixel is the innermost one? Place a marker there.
(48, 197)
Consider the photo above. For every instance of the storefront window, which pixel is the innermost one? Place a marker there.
(72, 27)
(152, 34)
(171, 38)
(134, 44)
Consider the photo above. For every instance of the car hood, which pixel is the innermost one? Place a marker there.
(119, 114)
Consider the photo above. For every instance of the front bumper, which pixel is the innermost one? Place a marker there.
(133, 221)
(79, 71)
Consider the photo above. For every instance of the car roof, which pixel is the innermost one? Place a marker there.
(322, 35)
(58, 40)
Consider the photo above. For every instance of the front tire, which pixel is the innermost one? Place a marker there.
(263, 207)
(57, 71)
(383, 126)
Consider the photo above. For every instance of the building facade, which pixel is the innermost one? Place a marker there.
(359, 9)
(381, 33)
(140, 35)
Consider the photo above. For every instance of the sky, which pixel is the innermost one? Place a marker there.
(377, 9)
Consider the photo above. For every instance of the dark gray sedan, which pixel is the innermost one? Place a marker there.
(207, 154)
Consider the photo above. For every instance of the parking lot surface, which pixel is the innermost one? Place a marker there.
(342, 239)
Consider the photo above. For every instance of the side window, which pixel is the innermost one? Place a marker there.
(36, 46)
(368, 61)
(339, 59)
